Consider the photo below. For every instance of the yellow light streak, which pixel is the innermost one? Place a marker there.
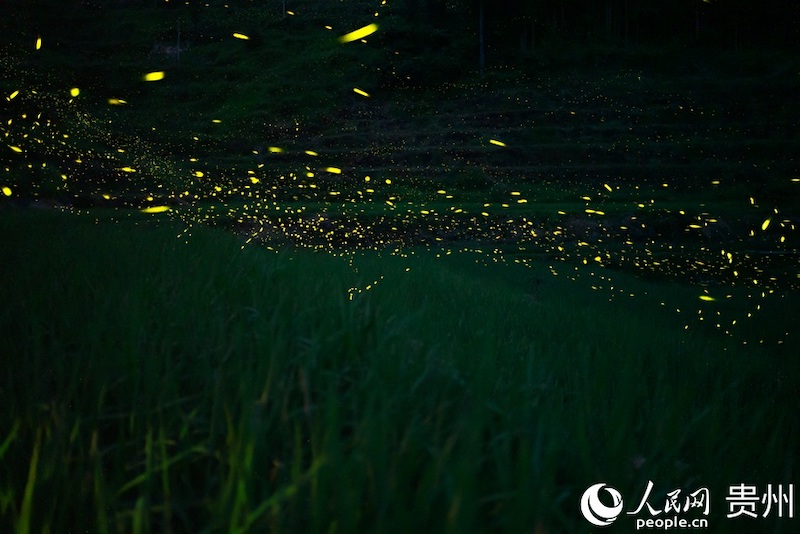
(360, 33)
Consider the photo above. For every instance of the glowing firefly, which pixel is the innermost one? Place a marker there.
(369, 29)
(156, 209)
(154, 76)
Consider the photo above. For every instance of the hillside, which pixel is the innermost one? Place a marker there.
(661, 160)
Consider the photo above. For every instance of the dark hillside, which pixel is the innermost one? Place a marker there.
(404, 133)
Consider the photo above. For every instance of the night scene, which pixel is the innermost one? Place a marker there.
(399, 266)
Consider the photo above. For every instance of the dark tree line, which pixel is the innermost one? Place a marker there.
(525, 25)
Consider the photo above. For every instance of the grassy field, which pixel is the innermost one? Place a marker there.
(158, 378)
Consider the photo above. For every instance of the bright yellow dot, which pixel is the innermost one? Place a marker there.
(360, 92)
(334, 170)
(275, 149)
(241, 36)
(128, 169)
(607, 187)
(12, 95)
(7, 191)
(388, 181)
(707, 298)
(765, 224)
(116, 101)
(496, 142)
(74, 91)
(154, 76)
(311, 153)
(254, 179)
(199, 174)
(38, 43)
(216, 121)
(156, 209)
(369, 29)
(15, 148)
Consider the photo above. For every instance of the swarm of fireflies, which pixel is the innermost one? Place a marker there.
(308, 208)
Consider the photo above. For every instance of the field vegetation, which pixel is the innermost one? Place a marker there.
(158, 384)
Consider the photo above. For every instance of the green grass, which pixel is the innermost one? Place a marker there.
(162, 380)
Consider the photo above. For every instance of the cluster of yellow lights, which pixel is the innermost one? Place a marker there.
(389, 212)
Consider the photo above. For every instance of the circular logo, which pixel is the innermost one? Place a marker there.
(595, 511)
